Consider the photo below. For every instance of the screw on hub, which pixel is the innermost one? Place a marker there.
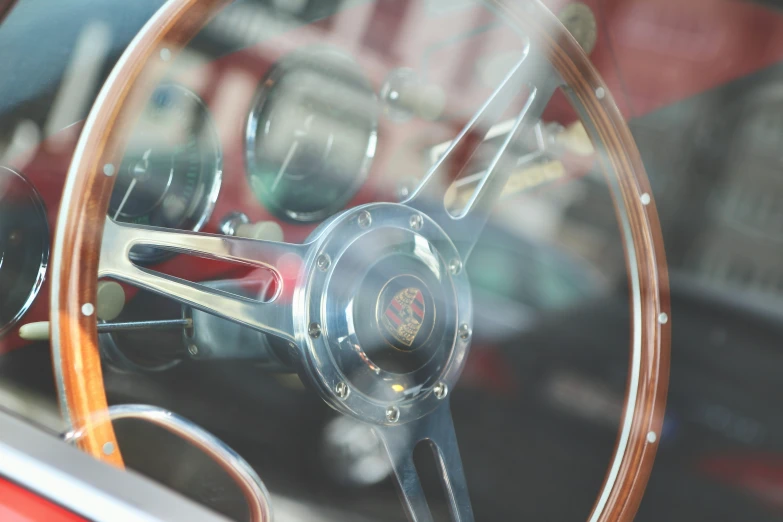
(441, 390)
(314, 330)
(392, 414)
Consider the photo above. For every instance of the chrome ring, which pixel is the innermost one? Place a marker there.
(230, 461)
(37, 202)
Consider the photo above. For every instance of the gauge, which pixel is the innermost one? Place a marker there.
(311, 135)
(171, 173)
(24, 246)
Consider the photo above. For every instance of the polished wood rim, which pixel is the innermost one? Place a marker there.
(86, 199)
(648, 378)
(83, 211)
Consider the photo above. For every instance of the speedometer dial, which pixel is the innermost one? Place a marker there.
(171, 173)
(311, 135)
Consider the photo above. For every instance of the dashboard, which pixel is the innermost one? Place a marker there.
(272, 121)
(275, 138)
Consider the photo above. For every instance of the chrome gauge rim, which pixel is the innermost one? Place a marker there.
(214, 190)
(207, 187)
(37, 206)
(254, 134)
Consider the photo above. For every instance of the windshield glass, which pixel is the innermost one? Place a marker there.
(336, 235)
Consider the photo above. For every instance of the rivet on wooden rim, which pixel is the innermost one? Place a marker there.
(652, 437)
(88, 309)
(108, 169)
(600, 93)
(645, 199)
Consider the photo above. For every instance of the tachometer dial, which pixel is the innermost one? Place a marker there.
(311, 135)
(171, 173)
(24, 246)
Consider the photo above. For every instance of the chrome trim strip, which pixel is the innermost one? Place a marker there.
(238, 469)
(101, 493)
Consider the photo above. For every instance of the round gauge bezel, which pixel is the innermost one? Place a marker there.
(209, 199)
(40, 209)
(268, 82)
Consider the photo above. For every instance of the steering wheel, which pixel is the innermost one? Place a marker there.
(336, 270)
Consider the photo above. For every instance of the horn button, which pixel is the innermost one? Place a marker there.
(384, 305)
(395, 314)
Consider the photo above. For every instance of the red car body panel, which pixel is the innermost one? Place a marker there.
(18, 504)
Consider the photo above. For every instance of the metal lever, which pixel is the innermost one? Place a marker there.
(40, 331)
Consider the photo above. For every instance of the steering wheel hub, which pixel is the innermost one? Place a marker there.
(382, 313)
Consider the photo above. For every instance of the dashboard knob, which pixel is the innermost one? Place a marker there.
(35, 331)
(111, 300)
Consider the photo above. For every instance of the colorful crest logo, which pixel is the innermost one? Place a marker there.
(404, 315)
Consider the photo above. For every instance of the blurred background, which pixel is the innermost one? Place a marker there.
(283, 112)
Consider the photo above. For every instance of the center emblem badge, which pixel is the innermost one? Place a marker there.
(404, 315)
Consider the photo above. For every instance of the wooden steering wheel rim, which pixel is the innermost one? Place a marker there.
(88, 189)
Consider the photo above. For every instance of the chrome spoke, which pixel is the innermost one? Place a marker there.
(437, 430)
(530, 75)
(274, 317)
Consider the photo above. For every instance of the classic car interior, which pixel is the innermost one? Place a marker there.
(389, 260)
